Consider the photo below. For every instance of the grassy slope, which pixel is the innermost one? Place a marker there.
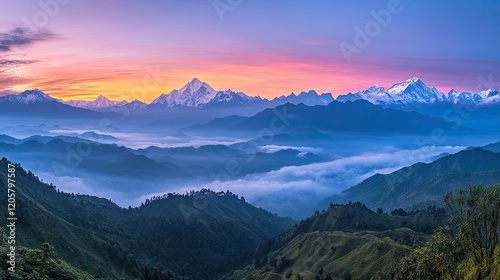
(361, 254)
(346, 238)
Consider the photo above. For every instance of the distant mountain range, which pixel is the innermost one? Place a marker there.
(351, 117)
(99, 103)
(27, 97)
(198, 94)
(37, 103)
(424, 183)
(118, 169)
(414, 91)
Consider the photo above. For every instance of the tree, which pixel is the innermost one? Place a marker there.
(398, 212)
(346, 275)
(435, 260)
(476, 211)
(45, 258)
(380, 211)
(468, 250)
(320, 271)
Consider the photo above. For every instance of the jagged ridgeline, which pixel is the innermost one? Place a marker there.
(342, 242)
(352, 242)
(428, 182)
(199, 235)
(217, 235)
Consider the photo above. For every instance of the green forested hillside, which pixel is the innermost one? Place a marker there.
(424, 182)
(352, 242)
(197, 235)
(212, 235)
(344, 241)
(40, 264)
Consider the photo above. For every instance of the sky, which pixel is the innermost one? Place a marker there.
(132, 49)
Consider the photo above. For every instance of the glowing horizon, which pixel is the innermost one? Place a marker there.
(130, 51)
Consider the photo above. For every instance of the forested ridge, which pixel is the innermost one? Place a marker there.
(217, 235)
(197, 235)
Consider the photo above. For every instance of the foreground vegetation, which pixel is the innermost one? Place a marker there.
(198, 235)
(469, 248)
(207, 235)
(352, 242)
(39, 264)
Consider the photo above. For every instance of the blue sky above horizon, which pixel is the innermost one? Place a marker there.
(140, 49)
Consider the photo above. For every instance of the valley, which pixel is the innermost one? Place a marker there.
(249, 140)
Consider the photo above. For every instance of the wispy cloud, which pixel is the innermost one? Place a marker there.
(77, 185)
(21, 37)
(290, 191)
(302, 149)
(9, 62)
(295, 190)
(142, 140)
(7, 92)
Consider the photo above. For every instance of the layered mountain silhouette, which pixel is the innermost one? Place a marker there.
(414, 91)
(344, 241)
(34, 103)
(337, 117)
(118, 169)
(198, 102)
(199, 94)
(200, 234)
(427, 182)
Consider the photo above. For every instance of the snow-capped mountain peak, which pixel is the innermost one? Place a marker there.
(198, 94)
(309, 98)
(137, 101)
(100, 103)
(414, 90)
(194, 86)
(489, 96)
(135, 104)
(375, 88)
(194, 94)
(401, 87)
(487, 93)
(407, 92)
(374, 94)
(28, 96)
(229, 98)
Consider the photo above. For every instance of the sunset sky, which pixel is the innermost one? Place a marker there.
(131, 49)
